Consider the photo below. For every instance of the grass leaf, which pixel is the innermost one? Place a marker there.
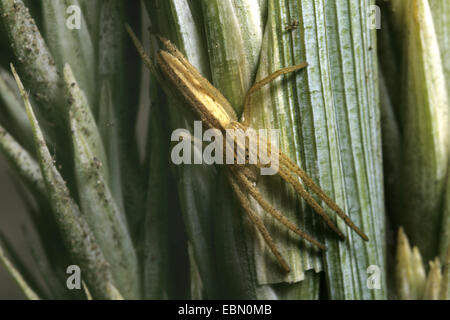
(24, 163)
(105, 218)
(33, 55)
(29, 293)
(74, 47)
(180, 21)
(426, 131)
(328, 117)
(77, 235)
(12, 112)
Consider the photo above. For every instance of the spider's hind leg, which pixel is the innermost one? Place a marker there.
(246, 184)
(292, 167)
(257, 222)
(250, 174)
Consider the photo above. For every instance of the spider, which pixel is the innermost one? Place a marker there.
(173, 70)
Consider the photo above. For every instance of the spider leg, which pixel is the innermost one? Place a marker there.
(249, 174)
(246, 184)
(287, 167)
(258, 85)
(286, 162)
(257, 222)
(148, 62)
(285, 174)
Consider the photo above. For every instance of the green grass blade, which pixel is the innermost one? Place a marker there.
(91, 12)
(109, 134)
(74, 47)
(350, 128)
(440, 10)
(180, 21)
(81, 112)
(106, 220)
(234, 33)
(155, 240)
(24, 163)
(29, 293)
(12, 112)
(35, 60)
(117, 111)
(234, 50)
(77, 235)
(390, 61)
(391, 146)
(426, 131)
(299, 258)
(349, 159)
(234, 47)
(21, 266)
(328, 121)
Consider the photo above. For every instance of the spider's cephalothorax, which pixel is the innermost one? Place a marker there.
(172, 69)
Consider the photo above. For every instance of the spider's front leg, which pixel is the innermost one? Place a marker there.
(261, 83)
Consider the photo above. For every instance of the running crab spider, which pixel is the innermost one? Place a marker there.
(173, 70)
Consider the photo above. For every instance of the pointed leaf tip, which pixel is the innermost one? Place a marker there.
(26, 289)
